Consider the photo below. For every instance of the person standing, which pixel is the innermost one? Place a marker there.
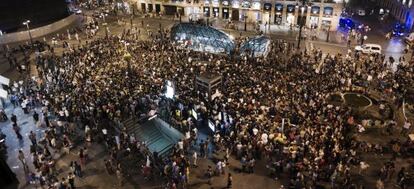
(71, 181)
(201, 147)
(35, 117)
(108, 166)
(119, 176)
(209, 175)
(32, 137)
(229, 180)
(22, 159)
(82, 158)
(17, 131)
(13, 118)
(46, 120)
(77, 37)
(380, 184)
(63, 184)
(78, 169)
(195, 159)
(406, 128)
(205, 146)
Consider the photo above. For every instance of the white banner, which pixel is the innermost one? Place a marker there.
(4, 80)
(3, 93)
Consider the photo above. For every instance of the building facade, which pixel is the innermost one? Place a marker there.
(318, 14)
(402, 10)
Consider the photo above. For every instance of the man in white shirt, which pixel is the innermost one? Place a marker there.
(181, 145)
(406, 127)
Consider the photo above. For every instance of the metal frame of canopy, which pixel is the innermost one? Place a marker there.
(259, 46)
(202, 38)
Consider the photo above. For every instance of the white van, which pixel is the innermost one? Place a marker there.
(369, 48)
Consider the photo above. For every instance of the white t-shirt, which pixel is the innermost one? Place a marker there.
(180, 145)
(407, 125)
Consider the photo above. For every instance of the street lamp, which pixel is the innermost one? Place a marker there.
(301, 22)
(26, 23)
(104, 15)
(245, 22)
(328, 32)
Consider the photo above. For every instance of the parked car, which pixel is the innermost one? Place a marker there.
(369, 48)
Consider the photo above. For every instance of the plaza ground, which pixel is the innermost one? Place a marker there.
(94, 173)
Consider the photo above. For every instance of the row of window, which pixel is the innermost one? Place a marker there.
(291, 8)
(407, 3)
(314, 1)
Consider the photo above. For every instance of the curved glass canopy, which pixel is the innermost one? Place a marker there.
(202, 38)
(256, 46)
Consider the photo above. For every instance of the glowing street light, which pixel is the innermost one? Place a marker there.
(26, 23)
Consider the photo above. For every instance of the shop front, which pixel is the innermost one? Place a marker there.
(206, 11)
(216, 12)
(216, 9)
(244, 11)
(255, 7)
(170, 10)
(235, 13)
(267, 8)
(326, 23)
(314, 17)
(225, 13)
(193, 13)
(150, 8)
(290, 15)
(143, 8)
(278, 13)
(327, 12)
(303, 11)
(327, 18)
(225, 9)
(157, 8)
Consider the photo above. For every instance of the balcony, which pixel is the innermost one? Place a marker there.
(329, 1)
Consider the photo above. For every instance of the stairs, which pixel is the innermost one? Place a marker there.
(156, 137)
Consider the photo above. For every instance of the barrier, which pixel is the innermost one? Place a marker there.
(41, 31)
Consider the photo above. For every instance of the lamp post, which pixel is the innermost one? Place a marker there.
(245, 22)
(301, 22)
(269, 22)
(328, 32)
(26, 23)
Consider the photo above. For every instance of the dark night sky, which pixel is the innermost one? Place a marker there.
(39, 12)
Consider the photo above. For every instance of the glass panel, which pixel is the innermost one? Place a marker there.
(256, 46)
(202, 38)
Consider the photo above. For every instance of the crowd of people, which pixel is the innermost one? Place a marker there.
(271, 109)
